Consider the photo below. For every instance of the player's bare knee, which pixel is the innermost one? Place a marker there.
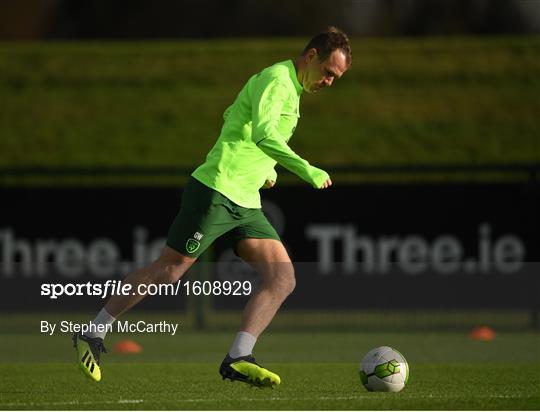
(290, 280)
(171, 273)
(173, 267)
(283, 279)
(288, 285)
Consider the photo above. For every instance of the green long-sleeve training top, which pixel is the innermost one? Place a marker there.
(254, 138)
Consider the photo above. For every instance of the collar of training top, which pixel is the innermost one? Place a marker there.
(292, 72)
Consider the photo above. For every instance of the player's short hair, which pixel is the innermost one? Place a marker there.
(329, 40)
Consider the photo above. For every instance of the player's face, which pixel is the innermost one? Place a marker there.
(320, 74)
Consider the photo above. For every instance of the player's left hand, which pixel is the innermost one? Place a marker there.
(269, 184)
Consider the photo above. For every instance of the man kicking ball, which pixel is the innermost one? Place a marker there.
(222, 196)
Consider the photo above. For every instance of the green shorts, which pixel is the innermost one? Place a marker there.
(206, 214)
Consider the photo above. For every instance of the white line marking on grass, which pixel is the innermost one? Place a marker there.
(135, 401)
(205, 400)
(130, 401)
(120, 401)
(322, 398)
(337, 398)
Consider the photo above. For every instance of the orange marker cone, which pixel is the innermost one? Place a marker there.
(127, 346)
(482, 333)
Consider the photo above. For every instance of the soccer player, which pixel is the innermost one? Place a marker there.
(222, 196)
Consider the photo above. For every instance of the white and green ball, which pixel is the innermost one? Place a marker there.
(384, 369)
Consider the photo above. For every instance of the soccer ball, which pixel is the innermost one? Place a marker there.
(384, 369)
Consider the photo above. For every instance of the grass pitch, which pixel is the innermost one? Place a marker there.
(332, 386)
(449, 371)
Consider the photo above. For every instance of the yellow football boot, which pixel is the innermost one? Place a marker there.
(89, 351)
(245, 369)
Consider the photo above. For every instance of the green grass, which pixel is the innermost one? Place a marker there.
(443, 100)
(319, 386)
(318, 369)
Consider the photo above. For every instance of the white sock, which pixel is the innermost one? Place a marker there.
(103, 318)
(243, 345)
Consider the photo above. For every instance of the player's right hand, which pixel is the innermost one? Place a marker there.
(326, 184)
(319, 178)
